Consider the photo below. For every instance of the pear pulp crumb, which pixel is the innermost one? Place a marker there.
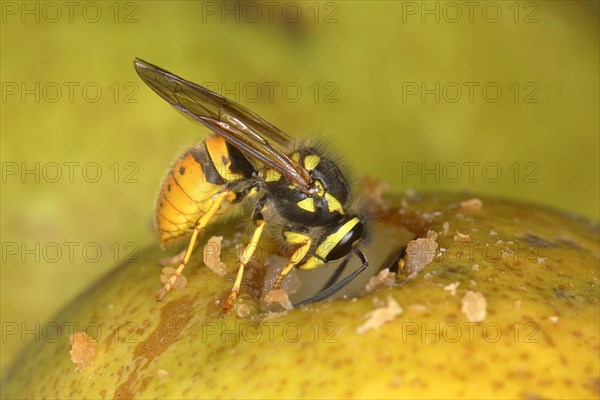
(410, 277)
(380, 315)
(383, 279)
(211, 255)
(243, 310)
(168, 272)
(441, 252)
(475, 267)
(507, 252)
(461, 237)
(173, 260)
(518, 303)
(417, 308)
(420, 252)
(474, 306)
(471, 205)
(279, 296)
(272, 315)
(452, 288)
(162, 374)
(446, 228)
(83, 350)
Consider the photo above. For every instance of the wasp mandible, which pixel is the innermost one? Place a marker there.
(298, 192)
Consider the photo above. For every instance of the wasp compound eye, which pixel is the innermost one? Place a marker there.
(345, 245)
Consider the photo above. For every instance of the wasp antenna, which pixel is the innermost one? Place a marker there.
(331, 290)
(336, 274)
(362, 257)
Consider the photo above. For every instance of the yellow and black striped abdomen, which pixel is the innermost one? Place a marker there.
(187, 191)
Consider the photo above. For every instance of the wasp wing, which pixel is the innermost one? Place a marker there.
(238, 125)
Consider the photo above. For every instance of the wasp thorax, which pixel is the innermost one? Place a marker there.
(326, 206)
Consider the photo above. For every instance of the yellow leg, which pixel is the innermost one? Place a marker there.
(246, 256)
(201, 224)
(279, 279)
(297, 257)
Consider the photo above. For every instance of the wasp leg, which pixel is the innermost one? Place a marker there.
(279, 279)
(246, 256)
(201, 224)
(305, 243)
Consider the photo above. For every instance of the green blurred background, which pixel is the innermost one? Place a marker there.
(407, 92)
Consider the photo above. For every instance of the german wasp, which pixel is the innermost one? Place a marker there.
(298, 192)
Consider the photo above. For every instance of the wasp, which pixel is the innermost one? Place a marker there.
(298, 192)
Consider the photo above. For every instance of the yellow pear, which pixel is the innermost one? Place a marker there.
(496, 299)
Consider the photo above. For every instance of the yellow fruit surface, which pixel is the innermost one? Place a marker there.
(536, 269)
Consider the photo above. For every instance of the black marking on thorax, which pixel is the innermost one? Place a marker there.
(286, 198)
